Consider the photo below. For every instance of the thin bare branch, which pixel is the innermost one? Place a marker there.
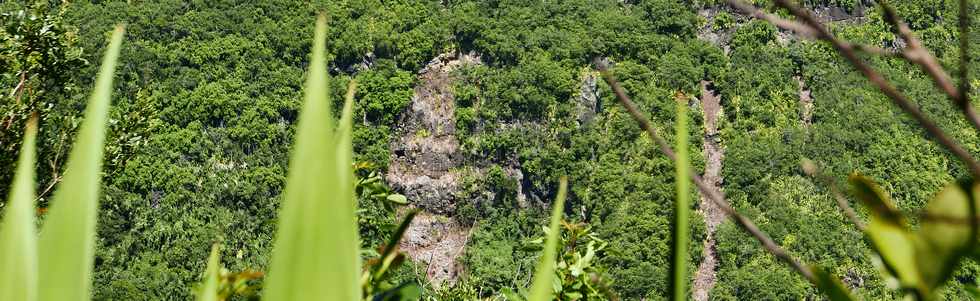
(914, 53)
(897, 97)
(20, 86)
(965, 23)
(964, 88)
(873, 50)
(952, 220)
(804, 31)
(918, 54)
(813, 171)
(47, 189)
(715, 195)
(801, 29)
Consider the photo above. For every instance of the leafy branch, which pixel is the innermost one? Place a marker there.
(808, 26)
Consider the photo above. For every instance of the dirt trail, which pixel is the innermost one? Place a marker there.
(714, 152)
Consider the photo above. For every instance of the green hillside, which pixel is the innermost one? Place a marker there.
(473, 110)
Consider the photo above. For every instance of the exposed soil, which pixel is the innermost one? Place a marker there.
(436, 241)
(714, 153)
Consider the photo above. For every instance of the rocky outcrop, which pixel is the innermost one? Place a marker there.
(806, 103)
(709, 33)
(424, 166)
(721, 37)
(427, 152)
(587, 103)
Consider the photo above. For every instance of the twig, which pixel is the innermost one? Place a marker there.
(897, 97)
(801, 29)
(965, 59)
(873, 50)
(813, 171)
(54, 181)
(849, 51)
(946, 219)
(918, 54)
(710, 192)
(18, 90)
(964, 89)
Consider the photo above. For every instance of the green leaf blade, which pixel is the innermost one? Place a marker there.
(18, 238)
(209, 291)
(541, 288)
(944, 234)
(888, 232)
(316, 255)
(67, 241)
(681, 233)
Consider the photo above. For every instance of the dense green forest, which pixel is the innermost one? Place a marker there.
(473, 110)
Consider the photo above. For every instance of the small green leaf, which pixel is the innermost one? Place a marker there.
(944, 235)
(973, 290)
(573, 295)
(209, 291)
(875, 199)
(544, 275)
(67, 242)
(18, 239)
(897, 250)
(397, 199)
(510, 295)
(830, 285)
(888, 232)
(404, 292)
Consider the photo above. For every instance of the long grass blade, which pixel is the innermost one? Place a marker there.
(345, 161)
(678, 276)
(316, 250)
(18, 239)
(346, 115)
(389, 249)
(541, 288)
(345, 205)
(67, 241)
(209, 291)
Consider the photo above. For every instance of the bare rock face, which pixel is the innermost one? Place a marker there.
(806, 102)
(708, 33)
(424, 157)
(425, 166)
(588, 100)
